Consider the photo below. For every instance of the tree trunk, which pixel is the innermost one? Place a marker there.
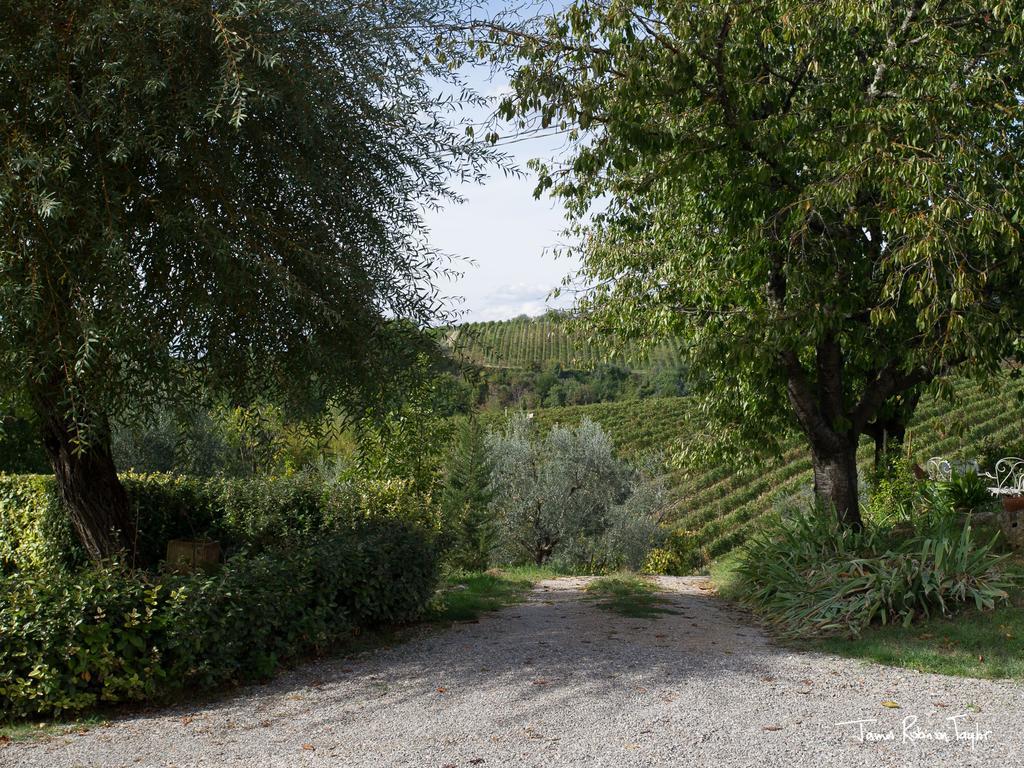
(90, 489)
(835, 483)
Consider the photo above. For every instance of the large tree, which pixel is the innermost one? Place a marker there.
(823, 199)
(211, 194)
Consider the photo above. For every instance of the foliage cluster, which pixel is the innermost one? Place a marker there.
(554, 385)
(73, 640)
(564, 497)
(781, 189)
(465, 500)
(808, 575)
(252, 515)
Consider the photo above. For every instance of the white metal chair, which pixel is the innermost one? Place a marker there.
(939, 468)
(1009, 477)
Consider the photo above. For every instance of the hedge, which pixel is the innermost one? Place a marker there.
(75, 639)
(256, 515)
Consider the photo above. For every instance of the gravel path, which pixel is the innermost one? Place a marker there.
(558, 681)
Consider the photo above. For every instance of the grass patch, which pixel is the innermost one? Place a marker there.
(465, 596)
(30, 729)
(628, 595)
(724, 574)
(987, 644)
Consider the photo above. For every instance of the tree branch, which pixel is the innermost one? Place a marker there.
(882, 65)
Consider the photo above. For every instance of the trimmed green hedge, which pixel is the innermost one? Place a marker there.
(256, 515)
(35, 532)
(72, 640)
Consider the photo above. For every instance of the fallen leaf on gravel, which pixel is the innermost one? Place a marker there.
(449, 765)
(308, 747)
(476, 761)
(266, 723)
(660, 636)
(5, 739)
(890, 705)
(807, 681)
(805, 693)
(771, 728)
(539, 681)
(441, 689)
(186, 719)
(941, 704)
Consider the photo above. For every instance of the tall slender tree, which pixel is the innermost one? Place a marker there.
(822, 199)
(212, 193)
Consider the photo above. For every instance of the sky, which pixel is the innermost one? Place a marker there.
(505, 232)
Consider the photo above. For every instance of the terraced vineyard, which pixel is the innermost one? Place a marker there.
(524, 342)
(719, 508)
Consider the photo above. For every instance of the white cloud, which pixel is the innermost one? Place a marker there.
(517, 299)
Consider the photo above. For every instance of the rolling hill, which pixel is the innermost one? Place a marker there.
(527, 342)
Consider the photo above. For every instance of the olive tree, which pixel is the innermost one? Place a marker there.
(822, 200)
(222, 196)
(565, 496)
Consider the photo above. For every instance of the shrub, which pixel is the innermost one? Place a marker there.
(896, 495)
(678, 555)
(966, 492)
(469, 525)
(807, 575)
(566, 499)
(255, 515)
(74, 640)
(35, 531)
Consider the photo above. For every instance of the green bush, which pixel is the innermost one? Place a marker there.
(808, 576)
(564, 499)
(74, 640)
(966, 492)
(254, 515)
(677, 556)
(35, 531)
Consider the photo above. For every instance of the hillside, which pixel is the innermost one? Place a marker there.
(719, 507)
(526, 342)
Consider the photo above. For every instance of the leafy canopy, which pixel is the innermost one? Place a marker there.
(822, 199)
(227, 189)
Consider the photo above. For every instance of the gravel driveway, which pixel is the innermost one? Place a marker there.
(559, 681)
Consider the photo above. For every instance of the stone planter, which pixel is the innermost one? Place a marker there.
(188, 556)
